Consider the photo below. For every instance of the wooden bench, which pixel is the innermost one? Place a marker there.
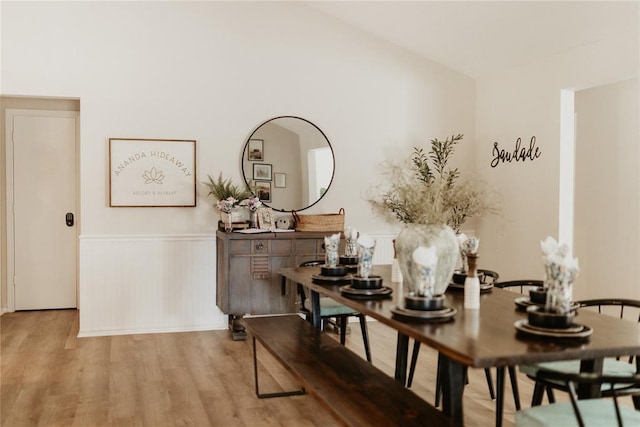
(352, 389)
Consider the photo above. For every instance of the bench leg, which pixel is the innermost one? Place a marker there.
(269, 395)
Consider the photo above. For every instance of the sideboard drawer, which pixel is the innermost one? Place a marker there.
(240, 247)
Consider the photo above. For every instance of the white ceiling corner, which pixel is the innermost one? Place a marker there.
(480, 37)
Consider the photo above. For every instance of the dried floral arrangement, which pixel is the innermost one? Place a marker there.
(424, 190)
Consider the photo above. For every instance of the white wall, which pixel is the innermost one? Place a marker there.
(525, 102)
(607, 185)
(212, 71)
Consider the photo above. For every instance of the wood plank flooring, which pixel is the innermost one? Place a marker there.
(51, 378)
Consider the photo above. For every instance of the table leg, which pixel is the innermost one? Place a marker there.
(453, 380)
(402, 350)
(586, 391)
(316, 320)
(500, 395)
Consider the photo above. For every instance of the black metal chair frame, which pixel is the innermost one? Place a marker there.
(513, 377)
(543, 384)
(416, 350)
(341, 320)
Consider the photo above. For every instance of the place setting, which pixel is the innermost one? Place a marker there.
(486, 278)
(537, 297)
(332, 272)
(551, 312)
(365, 285)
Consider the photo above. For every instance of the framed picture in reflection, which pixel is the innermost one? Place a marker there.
(263, 190)
(255, 153)
(262, 172)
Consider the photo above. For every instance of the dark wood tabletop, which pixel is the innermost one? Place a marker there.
(481, 338)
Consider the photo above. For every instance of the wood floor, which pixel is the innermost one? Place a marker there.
(51, 378)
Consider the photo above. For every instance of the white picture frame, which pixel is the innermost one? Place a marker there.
(266, 220)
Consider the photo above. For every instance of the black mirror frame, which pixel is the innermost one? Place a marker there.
(246, 147)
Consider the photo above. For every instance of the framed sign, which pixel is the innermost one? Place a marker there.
(152, 172)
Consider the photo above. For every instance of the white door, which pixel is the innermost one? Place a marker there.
(42, 148)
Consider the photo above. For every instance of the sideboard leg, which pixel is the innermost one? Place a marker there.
(237, 329)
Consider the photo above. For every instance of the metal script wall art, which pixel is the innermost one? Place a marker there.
(519, 153)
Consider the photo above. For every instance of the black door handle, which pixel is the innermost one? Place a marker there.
(69, 219)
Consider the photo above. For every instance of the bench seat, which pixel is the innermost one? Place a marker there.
(352, 389)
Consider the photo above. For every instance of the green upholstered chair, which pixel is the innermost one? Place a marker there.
(330, 309)
(611, 366)
(604, 412)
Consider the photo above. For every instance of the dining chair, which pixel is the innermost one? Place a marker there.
(524, 285)
(611, 366)
(330, 309)
(489, 276)
(597, 411)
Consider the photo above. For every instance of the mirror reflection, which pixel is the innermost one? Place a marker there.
(289, 163)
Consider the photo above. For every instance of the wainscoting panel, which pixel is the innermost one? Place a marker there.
(384, 248)
(145, 284)
(151, 284)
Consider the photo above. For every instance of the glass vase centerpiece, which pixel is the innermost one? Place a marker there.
(432, 200)
(561, 270)
(422, 290)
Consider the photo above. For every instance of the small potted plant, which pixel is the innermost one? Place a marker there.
(229, 197)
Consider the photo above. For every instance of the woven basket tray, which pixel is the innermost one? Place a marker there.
(320, 222)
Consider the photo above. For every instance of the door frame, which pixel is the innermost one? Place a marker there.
(10, 189)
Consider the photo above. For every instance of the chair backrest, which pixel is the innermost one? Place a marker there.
(488, 276)
(613, 305)
(616, 306)
(522, 284)
(573, 380)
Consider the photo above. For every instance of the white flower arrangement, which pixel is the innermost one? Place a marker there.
(253, 203)
(227, 204)
(558, 261)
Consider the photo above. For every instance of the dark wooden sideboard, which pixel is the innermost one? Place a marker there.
(247, 279)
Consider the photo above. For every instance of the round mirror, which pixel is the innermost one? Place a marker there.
(288, 162)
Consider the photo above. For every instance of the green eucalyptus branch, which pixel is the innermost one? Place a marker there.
(429, 192)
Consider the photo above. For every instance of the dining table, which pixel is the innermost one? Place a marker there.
(472, 338)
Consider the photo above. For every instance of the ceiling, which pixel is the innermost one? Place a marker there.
(478, 38)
